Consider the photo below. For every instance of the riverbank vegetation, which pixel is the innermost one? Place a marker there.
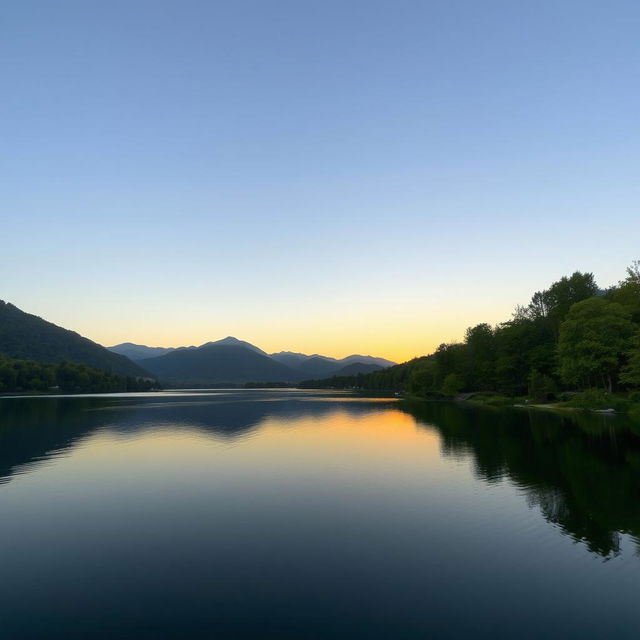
(31, 376)
(570, 338)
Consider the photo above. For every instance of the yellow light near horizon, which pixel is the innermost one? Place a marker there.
(394, 332)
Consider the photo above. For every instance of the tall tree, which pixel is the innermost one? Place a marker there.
(631, 372)
(480, 358)
(562, 295)
(627, 293)
(593, 338)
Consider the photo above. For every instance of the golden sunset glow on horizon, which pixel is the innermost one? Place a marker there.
(379, 210)
(399, 329)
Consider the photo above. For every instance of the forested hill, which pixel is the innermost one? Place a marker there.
(28, 375)
(571, 336)
(27, 337)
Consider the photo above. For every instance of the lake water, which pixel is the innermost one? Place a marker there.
(292, 514)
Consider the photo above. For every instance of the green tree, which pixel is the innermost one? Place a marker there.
(593, 340)
(480, 358)
(450, 358)
(540, 386)
(8, 376)
(422, 379)
(627, 293)
(452, 385)
(631, 372)
(566, 292)
(554, 303)
(513, 340)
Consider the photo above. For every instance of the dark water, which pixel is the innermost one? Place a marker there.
(303, 515)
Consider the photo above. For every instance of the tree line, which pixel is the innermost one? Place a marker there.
(28, 375)
(571, 336)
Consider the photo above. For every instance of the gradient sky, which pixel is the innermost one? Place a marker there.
(322, 176)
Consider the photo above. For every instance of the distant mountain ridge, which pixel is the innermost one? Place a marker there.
(236, 361)
(216, 364)
(137, 352)
(230, 341)
(296, 359)
(24, 336)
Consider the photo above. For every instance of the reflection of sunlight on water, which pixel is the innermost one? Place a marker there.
(378, 447)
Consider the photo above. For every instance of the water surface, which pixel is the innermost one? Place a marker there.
(293, 514)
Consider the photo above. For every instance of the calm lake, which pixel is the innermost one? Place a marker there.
(293, 514)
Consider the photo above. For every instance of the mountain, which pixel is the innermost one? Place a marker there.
(317, 366)
(234, 342)
(355, 368)
(236, 361)
(383, 363)
(27, 337)
(290, 358)
(218, 363)
(137, 352)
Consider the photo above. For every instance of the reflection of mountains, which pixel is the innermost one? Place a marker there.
(230, 415)
(36, 429)
(582, 470)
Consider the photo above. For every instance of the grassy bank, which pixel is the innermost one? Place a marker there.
(590, 400)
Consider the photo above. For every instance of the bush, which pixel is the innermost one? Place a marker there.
(491, 400)
(634, 397)
(451, 385)
(597, 400)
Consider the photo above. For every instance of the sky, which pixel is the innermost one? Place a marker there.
(326, 176)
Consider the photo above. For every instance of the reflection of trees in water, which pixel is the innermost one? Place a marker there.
(33, 430)
(581, 470)
(228, 417)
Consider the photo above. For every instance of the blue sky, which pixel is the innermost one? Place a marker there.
(322, 176)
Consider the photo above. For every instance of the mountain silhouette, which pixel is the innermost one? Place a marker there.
(24, 336)
(230, 341)
(235, 361)
(218, 363)
(355, 368)
(137, 352)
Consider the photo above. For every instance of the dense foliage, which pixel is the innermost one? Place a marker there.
(27, 375)
(571, 336)
(396, 377)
